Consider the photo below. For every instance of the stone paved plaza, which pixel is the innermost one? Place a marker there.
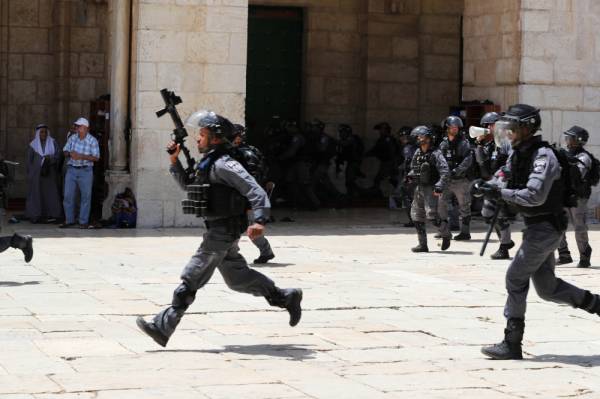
(378, 321)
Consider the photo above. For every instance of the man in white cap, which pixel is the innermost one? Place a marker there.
(82, 151)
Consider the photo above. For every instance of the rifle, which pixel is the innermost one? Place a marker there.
(179, 133)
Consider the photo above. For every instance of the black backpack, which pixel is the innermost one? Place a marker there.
(592, 178)
(570, 176)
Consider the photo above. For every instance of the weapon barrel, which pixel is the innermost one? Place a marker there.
(490, 229)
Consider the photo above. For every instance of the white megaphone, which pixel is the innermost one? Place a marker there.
(476, 131)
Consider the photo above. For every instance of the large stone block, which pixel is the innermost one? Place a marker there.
(238, 49)
(225, 78)
(440, 24)
(171, 75)
(15, 66)
(405, 48)
(395, 95)
(193, 76)
(344, 42)
(468, 73)
(22, 92)
(161, 46)
(442, 7)
(83, 89)
(45, 92)
(326, 63)
(507, 71)
(511, 45)
(535, 21)
(29, 40)
(392, 72)
(569, 71)
(379, 47)
(340, 91)
(146, 76)
(315, 89)
(440, 67)
(446, 46)
(207, 47)
(591, 98)
(537, 4)
(398, 25)
(534, 70)
(91, 64)
(167, 17)
(485, 73)
(23, 12)
(46, 11)
(227, 19)
(85, 39)
(39, 66)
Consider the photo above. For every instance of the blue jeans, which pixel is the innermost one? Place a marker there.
(78, 179)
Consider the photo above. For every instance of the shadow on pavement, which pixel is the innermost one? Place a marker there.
(291, 352)
(17, 284)
(576, 360)
(271, 264)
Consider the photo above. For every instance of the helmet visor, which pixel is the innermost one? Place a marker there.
(505, 130)
(202, 118)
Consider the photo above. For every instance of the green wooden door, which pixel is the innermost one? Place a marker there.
(274, 74)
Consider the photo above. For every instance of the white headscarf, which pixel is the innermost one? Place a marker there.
(36, 144)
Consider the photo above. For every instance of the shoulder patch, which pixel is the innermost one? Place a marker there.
(233, 166)
(540, 163)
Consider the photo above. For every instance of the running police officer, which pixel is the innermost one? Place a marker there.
(535, 188)
(576, 138)
(457, 151)
(489, 158)
(254, 162)
(429, 173)
(220, 192)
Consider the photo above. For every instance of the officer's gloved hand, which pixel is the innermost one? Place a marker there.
(489, 191)
(475, 188)
(437, 191)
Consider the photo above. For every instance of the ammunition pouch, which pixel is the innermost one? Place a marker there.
(214, 201)
(425, 175)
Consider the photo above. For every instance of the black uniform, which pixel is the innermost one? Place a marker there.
(350, 152)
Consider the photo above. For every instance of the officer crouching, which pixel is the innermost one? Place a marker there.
(220, 193)
(429, 172)
(535, 188)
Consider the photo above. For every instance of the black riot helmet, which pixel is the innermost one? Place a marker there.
(383, 128)
(517, 124)
(578, 136)
(489, 119)
(239, 131)
(422, 131)
(344, 130)
(451, 121)
(218, 125)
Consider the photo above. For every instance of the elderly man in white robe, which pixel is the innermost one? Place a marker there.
(43, 198)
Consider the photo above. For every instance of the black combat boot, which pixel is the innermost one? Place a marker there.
(24, 243)
(422, 234)
(502, 252)
(564, 258)
(289, 299)
(445, 240)
(264, 258)
(152, 331)
(510, 347)
(591, 303)
(465, 230)
(584, 258)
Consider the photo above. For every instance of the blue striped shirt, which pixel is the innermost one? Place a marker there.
(87, 146)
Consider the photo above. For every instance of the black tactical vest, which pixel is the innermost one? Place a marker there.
(213, 200)
(521, 165)
(428, 174)
(450, 152)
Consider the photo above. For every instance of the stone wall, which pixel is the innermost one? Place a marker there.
(53, 57)
(199, 51)
(492, 51)
(413, 60)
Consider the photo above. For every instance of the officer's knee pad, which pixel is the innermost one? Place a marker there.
(183, 296)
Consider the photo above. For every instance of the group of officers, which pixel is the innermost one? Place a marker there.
(520, 173)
